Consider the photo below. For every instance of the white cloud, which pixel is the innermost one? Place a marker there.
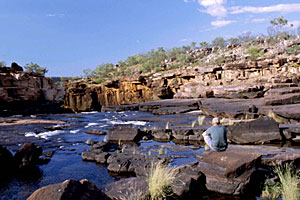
(221, 23)
(215, 8)
(184, 40)
(275, 8)
(258, 20)
(186, 1)
(55, 15)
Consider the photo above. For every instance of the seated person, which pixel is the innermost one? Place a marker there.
(216, 136)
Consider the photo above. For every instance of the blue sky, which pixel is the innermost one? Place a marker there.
(67, 36)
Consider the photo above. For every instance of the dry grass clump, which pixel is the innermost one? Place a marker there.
(289, 182)
(288, 186)
(275, 117)
(160, 179)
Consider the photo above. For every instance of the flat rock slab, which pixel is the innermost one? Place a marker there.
(228, 172)
(95, 132)
(121, 133)
(184, 104)
(257, 131)
(287, 113)
(293, 98)
(28, 121)
(230, 108)
(174, 110)
(271, 156)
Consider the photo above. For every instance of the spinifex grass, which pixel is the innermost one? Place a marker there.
(288, 186)
(288, 177)
(160, 179)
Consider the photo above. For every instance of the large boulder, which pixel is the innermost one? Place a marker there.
(28, 156)
(260, 130)
(69, 190)
(7, 163)
(16, 67)
(121, 133)
(229, 172)
(189, 182)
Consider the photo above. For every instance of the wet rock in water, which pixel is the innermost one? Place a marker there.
(7, 163)
(228, 172)
(69, 190)
(161, 134)
(189, 182)
(96, 157)
(126, 163)
(126, 188)
(98, 153)
(28, 156)
(95, 132)
(260, 130)
(125, 134)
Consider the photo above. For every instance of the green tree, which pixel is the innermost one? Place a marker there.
(218, 42)
(33, 67)
(103, 72)
(87, 72)
(278, 26)
(204, 44)
(233, 41)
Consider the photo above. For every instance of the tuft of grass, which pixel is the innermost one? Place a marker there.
(160, 179)
(271, 192)
(167, 125)
(201, 120)
(193, 124)
(161, 150)
(275, 117)
(289, 182)
(288, 186)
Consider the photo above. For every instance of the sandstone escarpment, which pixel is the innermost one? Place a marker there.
(21, 90)
(240, 82)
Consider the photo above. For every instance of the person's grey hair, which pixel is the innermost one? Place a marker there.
(216, 120)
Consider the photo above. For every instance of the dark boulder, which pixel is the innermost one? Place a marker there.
(16, 67)
(124, 134)
(28, 156)
(260, 130)
(69, 190)
(7, 163)
(189, 182)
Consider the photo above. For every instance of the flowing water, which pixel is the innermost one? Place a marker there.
(69, 142)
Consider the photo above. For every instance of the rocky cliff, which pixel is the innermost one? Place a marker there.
(275, 77)
(22, 92)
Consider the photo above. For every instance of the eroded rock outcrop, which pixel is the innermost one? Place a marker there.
(27, 91)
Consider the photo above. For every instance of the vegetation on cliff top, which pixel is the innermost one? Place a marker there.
(162, 59)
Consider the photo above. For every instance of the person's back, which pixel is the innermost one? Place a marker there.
(218, 136)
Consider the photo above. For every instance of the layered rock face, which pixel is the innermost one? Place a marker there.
(237, 88)
(19, 90)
